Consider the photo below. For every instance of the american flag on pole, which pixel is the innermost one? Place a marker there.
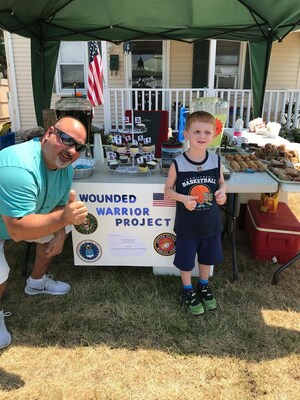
(95, 78)
(161, 200)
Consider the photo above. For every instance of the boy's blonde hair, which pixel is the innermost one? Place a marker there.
(200, 116)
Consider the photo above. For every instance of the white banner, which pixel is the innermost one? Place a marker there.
(127, 225)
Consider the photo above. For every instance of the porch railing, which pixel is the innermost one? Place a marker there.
(279, 105)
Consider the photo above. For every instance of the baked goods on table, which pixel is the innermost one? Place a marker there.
(272, 152)
(113, 164)
(131, 151)
(143, 167)
(134, 149)
(284, 171)
(244, 162)
(151, 164)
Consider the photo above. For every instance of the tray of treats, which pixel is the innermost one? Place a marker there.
(284, 171)
(271, 152)
(130, 167)
(244, 163)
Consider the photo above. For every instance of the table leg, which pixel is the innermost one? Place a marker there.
(26, 261)
(230, 229)
(283, 267)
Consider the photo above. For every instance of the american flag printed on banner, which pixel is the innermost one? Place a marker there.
(95, 78)
(161, 200)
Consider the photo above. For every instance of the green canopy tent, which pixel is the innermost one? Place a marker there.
(47, 22)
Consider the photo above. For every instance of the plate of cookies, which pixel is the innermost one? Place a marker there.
(244, 163)
(271, 152)
(284, 171)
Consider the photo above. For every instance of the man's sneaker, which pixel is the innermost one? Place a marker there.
(194, 305)
(48, 286)
(207, 298)
(5, 337)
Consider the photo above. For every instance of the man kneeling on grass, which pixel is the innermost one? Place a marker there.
(37, 205)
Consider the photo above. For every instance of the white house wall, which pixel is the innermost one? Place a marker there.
(181, 65)
(21, 50)
(284, 71)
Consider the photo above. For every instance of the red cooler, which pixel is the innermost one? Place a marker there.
(272, 234)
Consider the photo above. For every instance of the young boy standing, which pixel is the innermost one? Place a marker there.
(196, 182)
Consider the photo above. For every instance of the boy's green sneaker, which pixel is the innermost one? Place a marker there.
(193, 303)
(207, 298)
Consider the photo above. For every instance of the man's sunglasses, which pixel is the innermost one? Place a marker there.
(67, 140)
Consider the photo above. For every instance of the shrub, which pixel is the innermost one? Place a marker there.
(293, 134)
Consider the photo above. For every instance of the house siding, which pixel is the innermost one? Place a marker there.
(115, 79)
(4, 112)
(285, 57)
(22, 53)
(181, 65)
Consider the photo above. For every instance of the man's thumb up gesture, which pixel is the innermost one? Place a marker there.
(72, 196)
(75, 212)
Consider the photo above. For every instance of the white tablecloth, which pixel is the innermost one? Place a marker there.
(261, 140)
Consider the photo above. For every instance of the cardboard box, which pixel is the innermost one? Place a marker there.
(272, 235)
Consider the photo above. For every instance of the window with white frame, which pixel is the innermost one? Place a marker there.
(227, 64)
(72, 66)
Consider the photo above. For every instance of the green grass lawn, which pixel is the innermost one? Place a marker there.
(121, 333)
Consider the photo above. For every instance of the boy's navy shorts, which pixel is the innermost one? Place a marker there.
(209, 251)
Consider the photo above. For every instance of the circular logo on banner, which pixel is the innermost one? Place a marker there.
(165, 244)
(89, 226)
(89, 251)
